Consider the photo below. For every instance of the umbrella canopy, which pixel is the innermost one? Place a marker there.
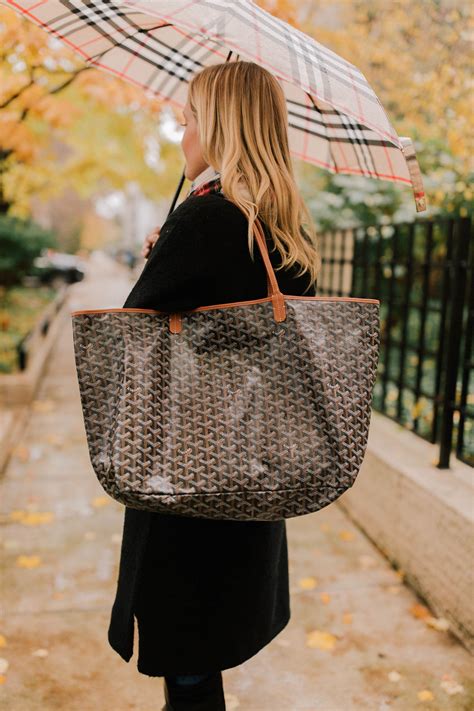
(336, 121)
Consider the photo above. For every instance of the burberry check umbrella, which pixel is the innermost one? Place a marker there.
(336, 121)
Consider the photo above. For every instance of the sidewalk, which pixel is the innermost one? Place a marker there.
(358, 639)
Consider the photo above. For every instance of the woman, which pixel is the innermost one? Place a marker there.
(209, 594)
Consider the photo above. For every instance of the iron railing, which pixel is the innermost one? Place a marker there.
(423, 274)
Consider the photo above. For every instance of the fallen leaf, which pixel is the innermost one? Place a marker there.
(36, 518)
(21, 452)
(308, 583)
(420, 612)
(28, 561)
(57, 595)
(42, 405)
(40, 653)
(17, 514)
(3, 640)
(394, 676)
(347, 618)
(425, 695)
(2, 679)
(325, 598)
(320, 640)
(53, 438)
(100, 501)
(4, 664)
(438, 623)
(451, 687)
(346, 535)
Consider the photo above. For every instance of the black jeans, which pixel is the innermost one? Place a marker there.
(195, 692)
(186, 679)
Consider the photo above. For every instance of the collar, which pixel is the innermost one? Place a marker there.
(207, 180)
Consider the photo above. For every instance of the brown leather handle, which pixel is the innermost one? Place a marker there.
(273, 290)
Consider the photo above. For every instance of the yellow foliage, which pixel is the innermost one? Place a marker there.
(416, 56)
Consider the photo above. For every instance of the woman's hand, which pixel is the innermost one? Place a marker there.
(149, 242)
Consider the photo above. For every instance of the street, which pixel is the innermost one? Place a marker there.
(358, 639)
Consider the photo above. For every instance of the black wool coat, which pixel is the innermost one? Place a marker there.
(207, 594)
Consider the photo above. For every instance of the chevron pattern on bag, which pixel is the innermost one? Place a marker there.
(237, 416)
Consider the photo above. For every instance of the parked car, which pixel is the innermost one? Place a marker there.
(54, 268)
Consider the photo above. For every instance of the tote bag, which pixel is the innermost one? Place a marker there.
(251, 410)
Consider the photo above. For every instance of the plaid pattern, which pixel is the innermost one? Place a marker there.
(336, 121)
(210, 186)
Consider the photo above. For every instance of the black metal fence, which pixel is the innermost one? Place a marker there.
(423, 274)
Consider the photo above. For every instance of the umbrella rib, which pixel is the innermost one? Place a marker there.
(327, 137)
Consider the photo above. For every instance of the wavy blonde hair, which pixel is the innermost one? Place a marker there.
(242, 118)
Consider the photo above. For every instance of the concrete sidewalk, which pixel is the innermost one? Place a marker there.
(358, 638)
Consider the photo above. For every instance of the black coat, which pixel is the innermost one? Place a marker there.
(207, 594)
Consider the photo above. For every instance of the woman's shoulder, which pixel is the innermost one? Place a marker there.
(209, 208)
(197, 223)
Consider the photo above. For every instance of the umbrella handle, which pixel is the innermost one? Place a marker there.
(176, 195)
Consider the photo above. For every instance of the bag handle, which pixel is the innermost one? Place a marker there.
(273, 290)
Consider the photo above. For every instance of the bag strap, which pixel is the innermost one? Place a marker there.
(273, 290)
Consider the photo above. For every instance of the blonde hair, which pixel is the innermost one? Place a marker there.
(242, 120)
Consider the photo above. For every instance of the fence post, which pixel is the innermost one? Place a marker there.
(458, 273)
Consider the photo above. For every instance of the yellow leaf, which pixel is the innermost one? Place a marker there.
(425, 695)
(2, 679)
(42, 405)
(37, 517)
(438, 623)
(321, 640)
(420, 611)
(99, 501)
(28, 561)
(346, 535)
(3, 640)
(308, 583)
(17, 515)
(347, 618)
(325, 598)
(54, 439)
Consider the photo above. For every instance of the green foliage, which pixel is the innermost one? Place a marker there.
(21, 241)
(20, 308)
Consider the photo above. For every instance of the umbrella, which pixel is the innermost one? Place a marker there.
(336, 121)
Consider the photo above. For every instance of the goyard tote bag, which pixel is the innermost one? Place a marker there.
(253, 410)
